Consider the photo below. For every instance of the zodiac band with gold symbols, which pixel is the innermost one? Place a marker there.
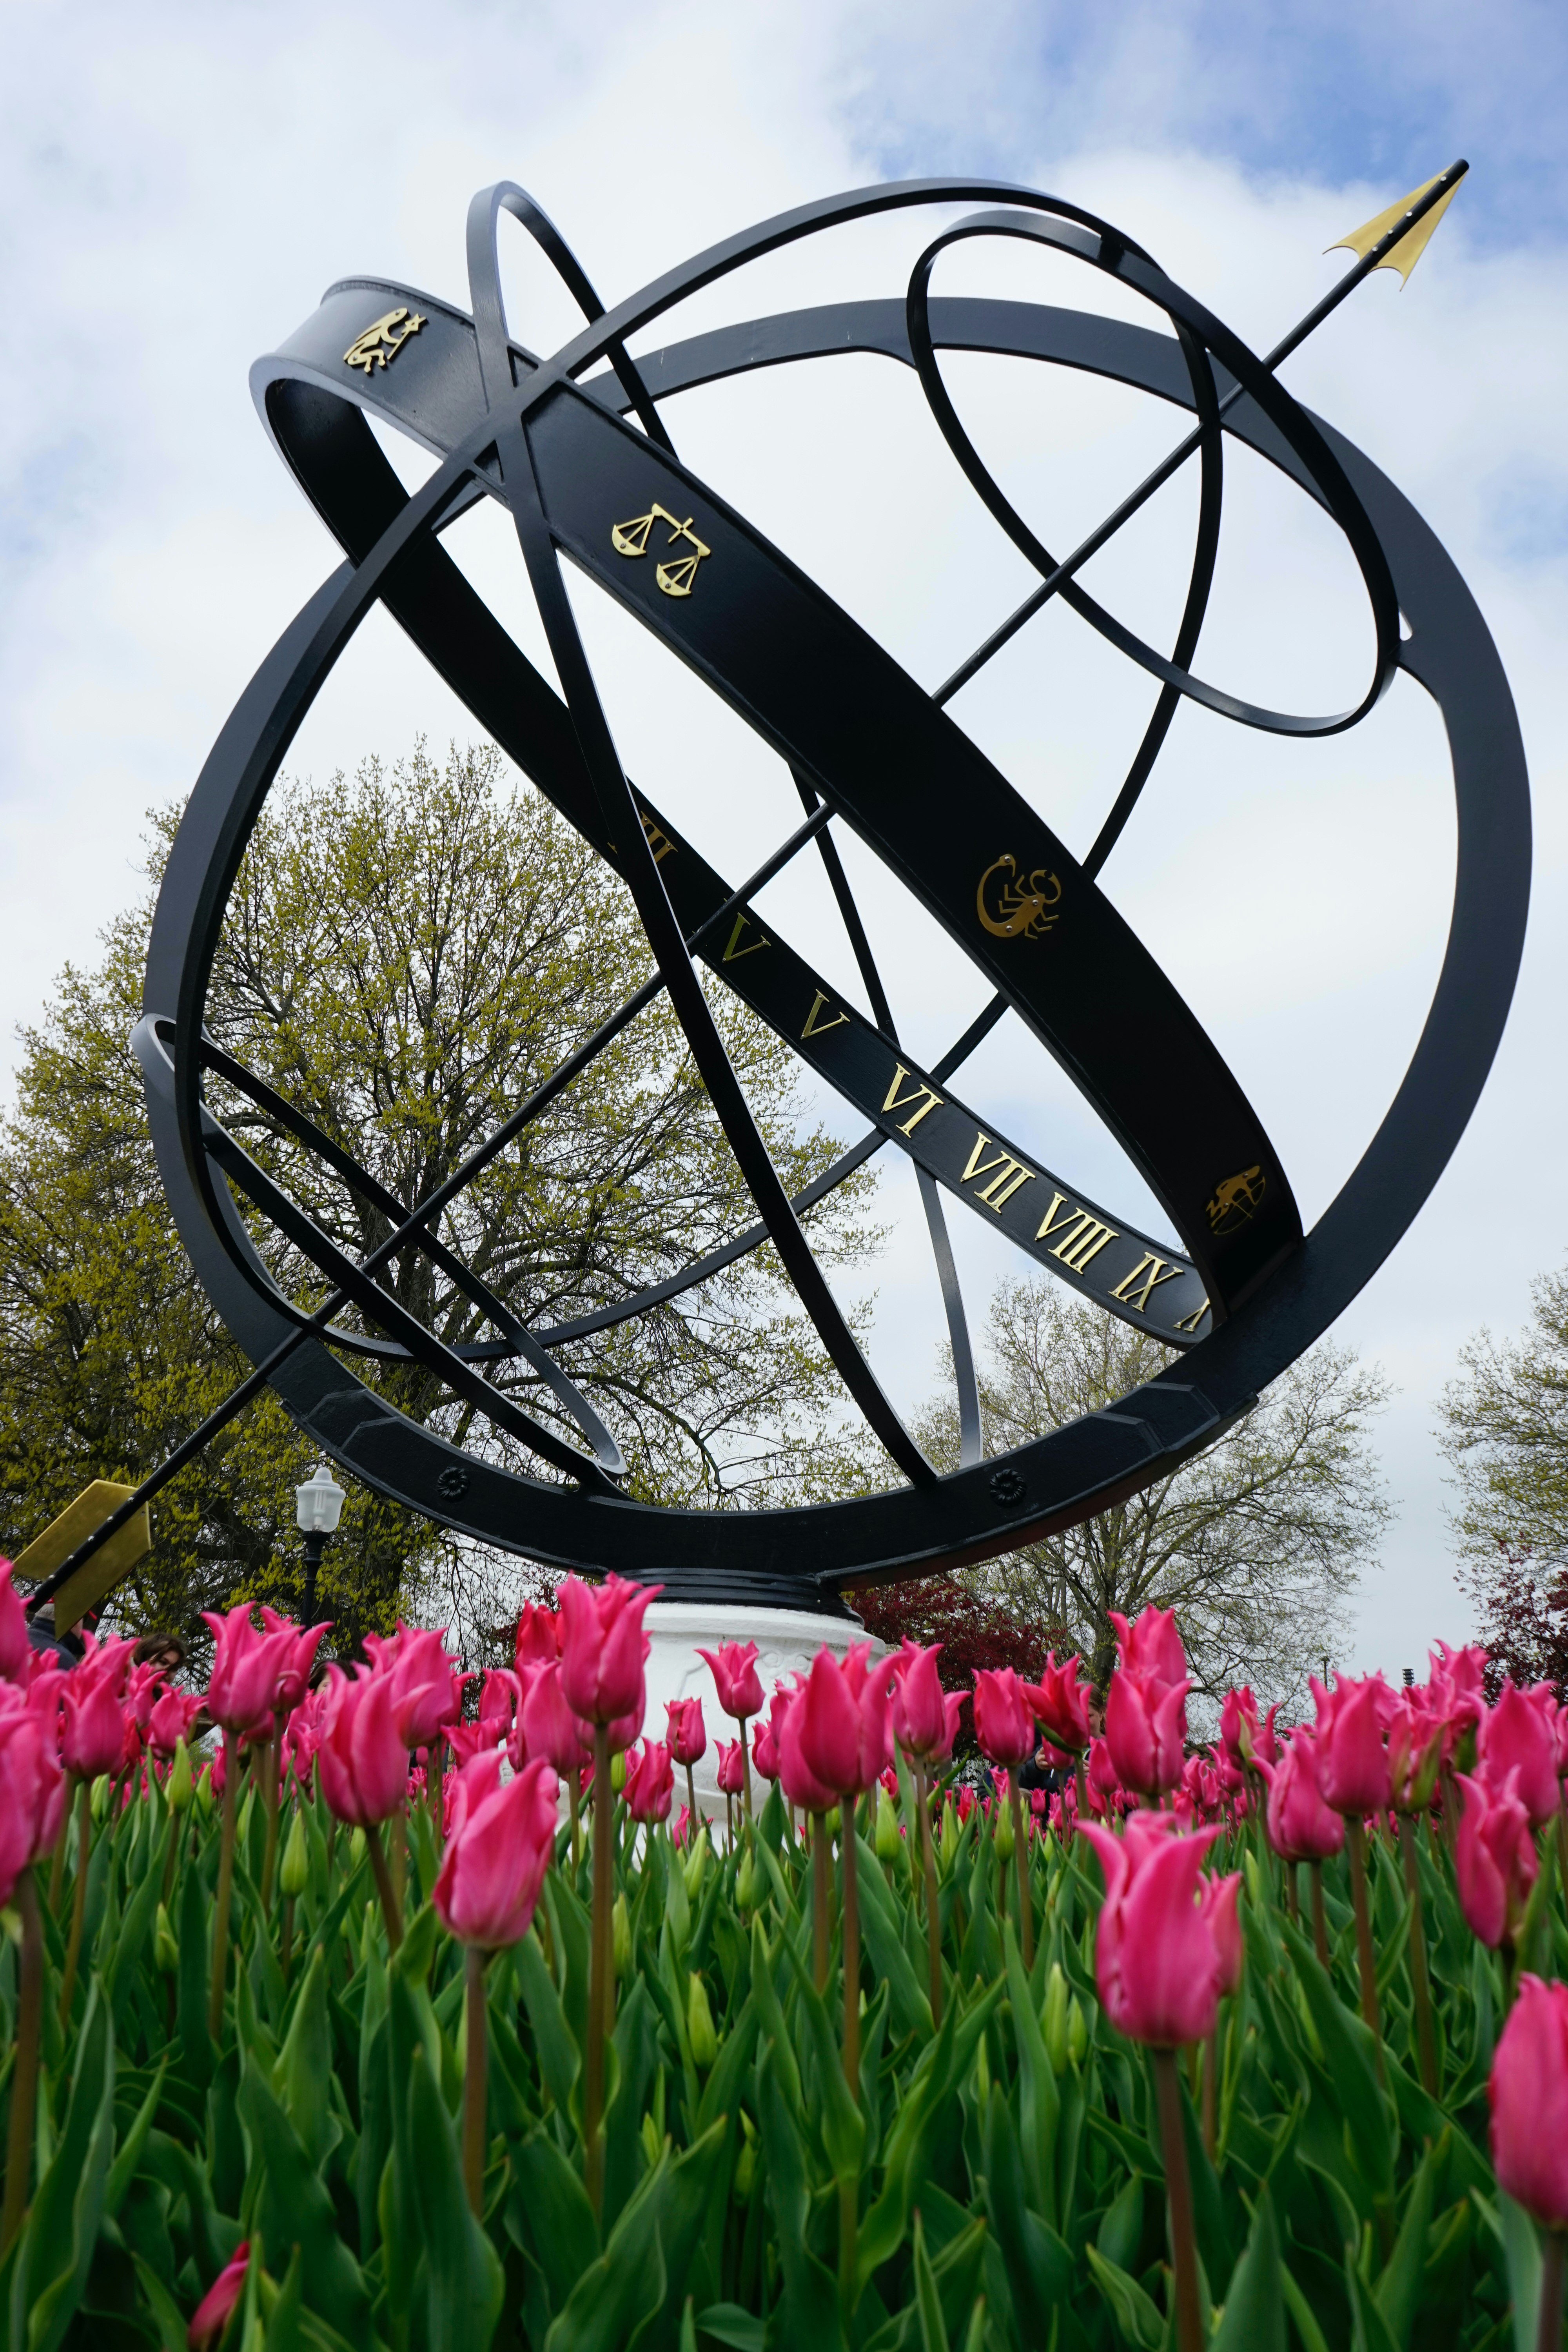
(580, 450)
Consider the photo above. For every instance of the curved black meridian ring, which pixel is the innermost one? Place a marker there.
(1076, 1469)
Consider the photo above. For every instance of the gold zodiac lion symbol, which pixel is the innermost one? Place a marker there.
(1019, 910)
(384, 341)
(1235, 1200)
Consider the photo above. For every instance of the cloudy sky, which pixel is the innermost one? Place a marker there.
(178, 184)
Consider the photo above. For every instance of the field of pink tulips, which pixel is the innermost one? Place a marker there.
(426, 2016)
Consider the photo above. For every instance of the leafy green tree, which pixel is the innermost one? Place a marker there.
(1505, 1433)
(1256, 1543)
(408, 952)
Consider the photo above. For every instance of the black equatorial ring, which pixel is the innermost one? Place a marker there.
(550, 439)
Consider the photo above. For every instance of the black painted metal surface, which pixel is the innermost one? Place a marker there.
(578, 448)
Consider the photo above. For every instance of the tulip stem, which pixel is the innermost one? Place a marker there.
(1320, 1923)
(601, 1957)
(435, 1768)
(819, 1885)
(574, 1803)
(1426, 2040)
(225, 1888)
(691, 1804)
(476, 2066)
(1021, 1860)
(79, 1898)
(1355, 1839)
(288, 1936)
(849, 2189)
(933, 1910)
(380, 1871)
(745, 1765)
(1549, 2310)
(1211, 2074)
(1179, 2192)
(24, 2074)
(268, 1760)
(57, 1866)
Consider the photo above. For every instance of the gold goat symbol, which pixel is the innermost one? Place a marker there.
(384, 341)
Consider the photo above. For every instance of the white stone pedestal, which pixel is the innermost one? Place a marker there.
(787, 1640)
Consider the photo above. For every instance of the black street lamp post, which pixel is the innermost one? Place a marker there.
(318, 1507)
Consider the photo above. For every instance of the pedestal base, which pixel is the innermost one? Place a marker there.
(787, 1640)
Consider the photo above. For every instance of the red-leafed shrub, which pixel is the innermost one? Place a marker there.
(975, 1631)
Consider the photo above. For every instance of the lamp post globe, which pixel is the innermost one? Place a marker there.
(318, 1507)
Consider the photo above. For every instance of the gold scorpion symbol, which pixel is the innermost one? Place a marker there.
(1020, 910)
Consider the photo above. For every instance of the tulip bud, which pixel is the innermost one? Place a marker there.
(100, 1797)
(621, 1937)
(746, 1882)
(887, 1839)
(206, 1800)
(1077, 2031)
(295, 1874)
(1001, 1830)
(618, 1770)
(1055, 2022)
(746, 2162)
(948, 1843)
(696, 1863)
(832, 1821)
(180, 1786)
(166, 1951)
(356, 1849)
(699, 2026)
(1254, 1879)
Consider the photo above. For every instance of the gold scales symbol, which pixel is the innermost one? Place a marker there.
(631, 539)
(1016, 910)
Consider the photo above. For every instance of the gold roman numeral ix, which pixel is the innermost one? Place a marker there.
(893, 1101)
(1150, 1271)
(1008, 1175)
(1082, 1236)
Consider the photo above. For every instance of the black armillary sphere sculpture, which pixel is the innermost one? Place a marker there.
(578, 447)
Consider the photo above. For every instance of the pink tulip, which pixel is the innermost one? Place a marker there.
(1061, 1703)
(731, 1770)
(33, 1784)
(801, 1785)
(1457, 1682)
(1146, 1728)
(93, 1738)
(1494, 1858)
(361, 1761)
(1352, 1760)
(687, 1736)
(499, 1842)
(1520, 1736)
(296, 1660)
(844, 1719)
(681, 1829)
(1245, 1737)
(16, 1650)
(1151, 1647)
(1166, 1947)
(549, 1727)
(171, 1719)
(765, 1750)
(603, 1647)
(1004, 1720)
(1529, 2096)
(427, 1689)
(211, 2315)
(1302, 1828)
(1100, 1771)
(1416, 1738)
(247, 1665)
(650, 1784)
(925, 1716)
(734, 1665)
(538, 1638)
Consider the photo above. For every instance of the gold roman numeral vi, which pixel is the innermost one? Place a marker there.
(893, 1101)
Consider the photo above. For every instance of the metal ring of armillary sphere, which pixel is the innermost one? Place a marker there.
(577, 448)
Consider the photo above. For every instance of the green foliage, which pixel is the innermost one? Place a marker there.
(408, 952)
(1006, 2168)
